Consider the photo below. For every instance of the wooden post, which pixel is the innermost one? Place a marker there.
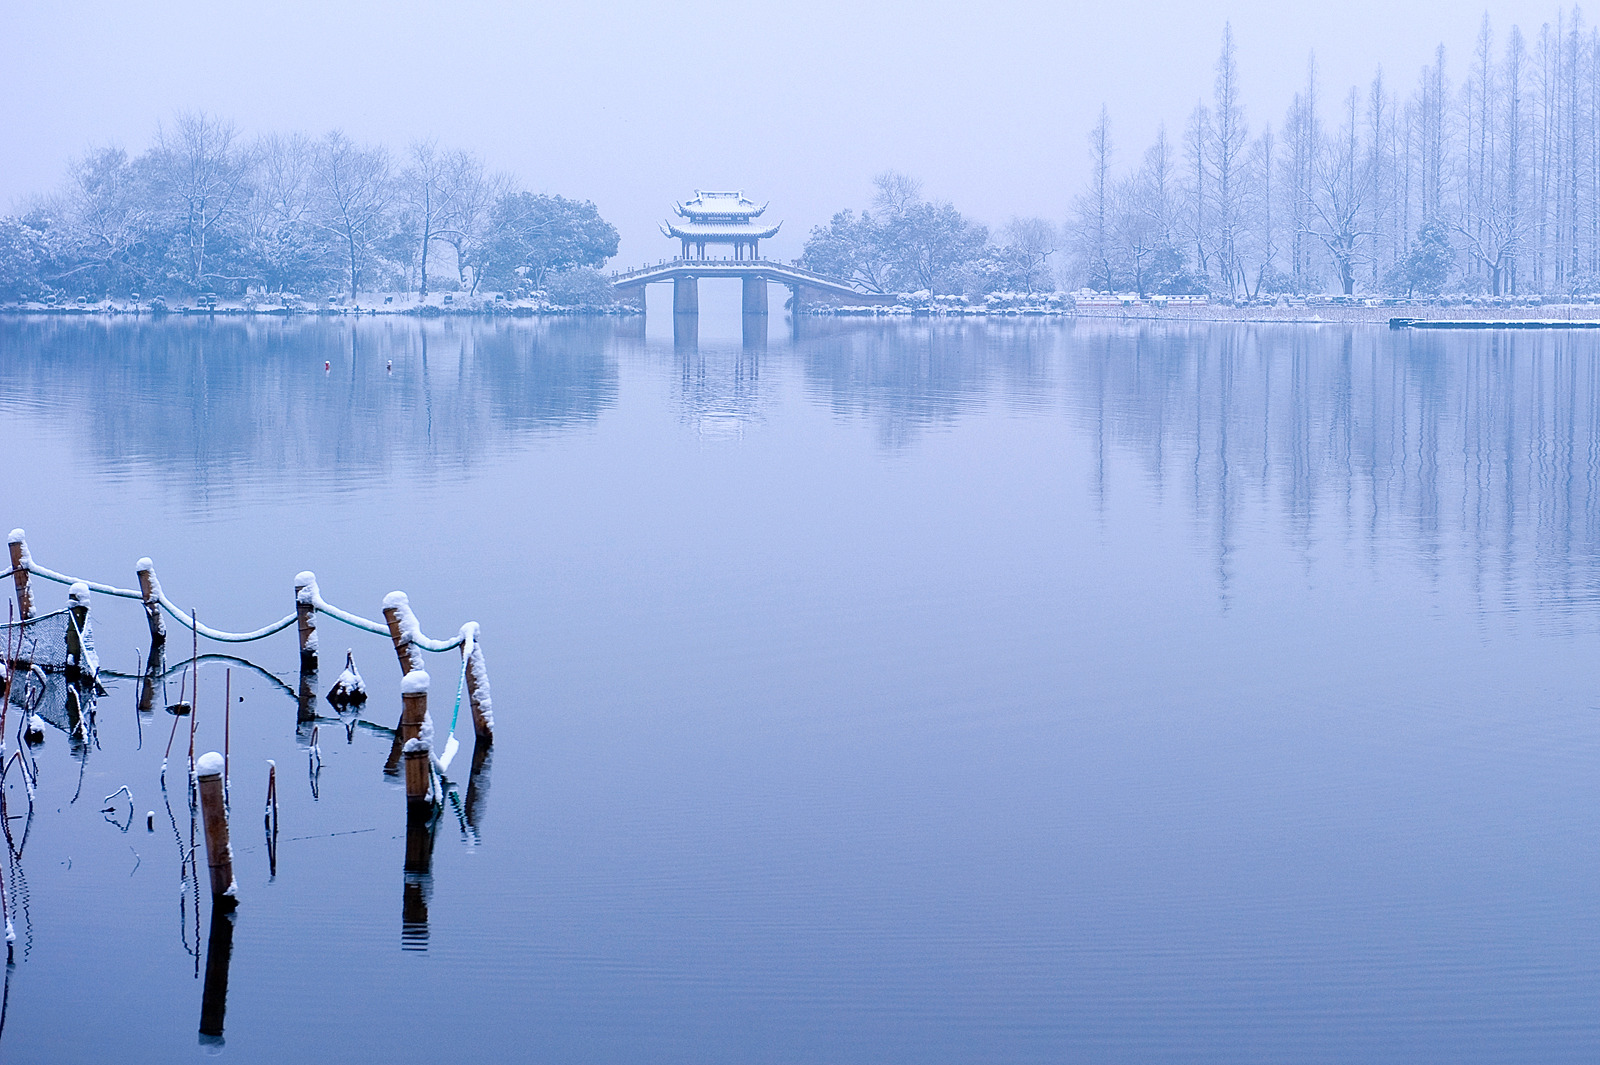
(305, 608)
(20, 561)
(419, 774)
(78, 606)
(413, 715)
(214, 812)
(413, 704)
(150, 592)
(478, 683)
(402, 624)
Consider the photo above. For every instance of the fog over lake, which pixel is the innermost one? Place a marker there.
(1250, 715)
(723, 533)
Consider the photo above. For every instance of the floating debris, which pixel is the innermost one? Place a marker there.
(33, 731)
(349, 689)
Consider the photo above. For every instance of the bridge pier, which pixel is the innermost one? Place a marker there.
(686, 333)
(685, 295)
(755, 295)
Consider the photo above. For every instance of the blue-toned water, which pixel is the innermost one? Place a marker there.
(933, 692)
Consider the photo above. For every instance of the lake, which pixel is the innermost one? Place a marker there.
(931, 691)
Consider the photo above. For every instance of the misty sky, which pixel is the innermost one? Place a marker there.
(633, 106)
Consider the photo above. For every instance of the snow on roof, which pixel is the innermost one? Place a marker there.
(733, 230)
(707, 206)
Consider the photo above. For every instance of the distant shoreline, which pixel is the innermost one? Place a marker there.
(427, 311)
(1322, 314)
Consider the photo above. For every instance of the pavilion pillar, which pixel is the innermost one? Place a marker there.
(755, 296)
(685, 295)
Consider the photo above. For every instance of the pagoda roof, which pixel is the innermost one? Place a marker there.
(708, 206)
(719, 232)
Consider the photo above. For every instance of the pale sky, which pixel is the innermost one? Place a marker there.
(635, 105)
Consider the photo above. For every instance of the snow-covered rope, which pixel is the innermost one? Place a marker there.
(217, 634)
(377, 628)
(353, 620)
(94, 586)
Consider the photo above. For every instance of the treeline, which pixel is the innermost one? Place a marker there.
(905, 243)
(204, 210)
(1488, 185)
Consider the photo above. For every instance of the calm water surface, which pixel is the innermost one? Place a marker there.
(1007, 692)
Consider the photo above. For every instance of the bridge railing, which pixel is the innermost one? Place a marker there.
(791, 269)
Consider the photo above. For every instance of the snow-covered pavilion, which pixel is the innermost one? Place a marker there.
(720, 218)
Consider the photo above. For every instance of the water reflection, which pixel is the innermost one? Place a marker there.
(1479, 449)
(214, 996)
(920, 375)
(417, 881)
(1475, 446)
(185, 397)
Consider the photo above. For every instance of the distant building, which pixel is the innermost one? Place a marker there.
(720, 218)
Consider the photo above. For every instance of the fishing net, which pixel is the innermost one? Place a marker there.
(40, 641)
(60, 700)
(48, 677)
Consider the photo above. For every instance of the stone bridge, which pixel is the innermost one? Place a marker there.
(807, 286)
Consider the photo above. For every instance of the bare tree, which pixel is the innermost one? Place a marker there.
(1033, 241)
(1342, 186)
(204, 170)
(897, 191)
(1195, 139)
(1094, 213)
(429, 190)
(472, 223)
(280, 216)
(1225, 150)
(354, 192)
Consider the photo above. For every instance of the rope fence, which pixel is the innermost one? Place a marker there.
(399, 624)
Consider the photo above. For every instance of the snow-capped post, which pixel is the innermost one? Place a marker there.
(214, 813)
(413, 716)
(413, 704)
(20, 561)
(419, 775)
(478, 682)
(305, 608)
(402, 627)
(78, 606)
(150, 594)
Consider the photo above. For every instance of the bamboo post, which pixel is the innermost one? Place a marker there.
(150, 592)
(305, 608)
(478, 683)
(20, 561)
(402, 626)
(219, 854)
(78, 605)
